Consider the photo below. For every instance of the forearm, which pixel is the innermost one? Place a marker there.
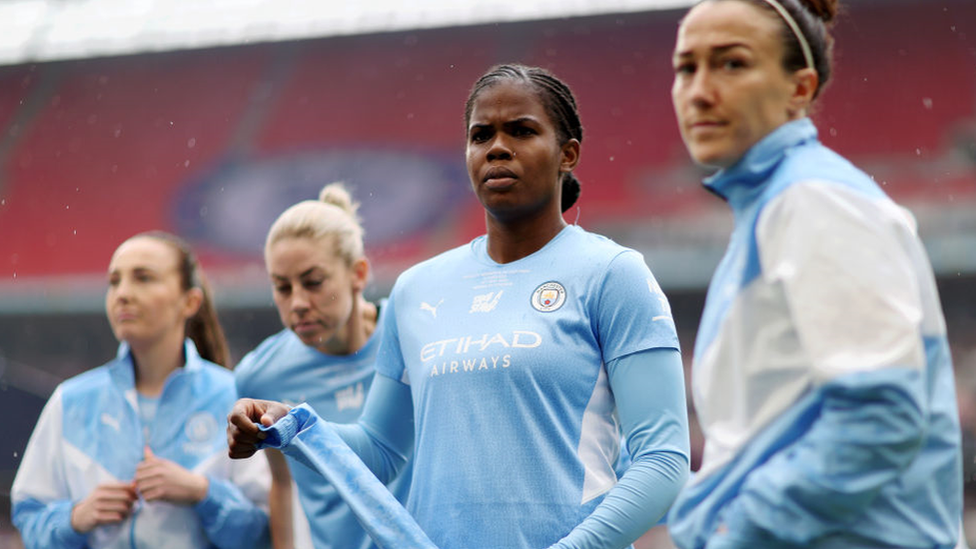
(649, 390)
(643, 495)
(280, 497)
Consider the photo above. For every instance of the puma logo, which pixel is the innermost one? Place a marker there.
(111, 422)
(424, 306)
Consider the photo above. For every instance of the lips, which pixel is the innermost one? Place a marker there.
(498, 178)
(305, 326)
(123, 316)
(706, 124)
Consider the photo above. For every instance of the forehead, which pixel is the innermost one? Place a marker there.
(507, 100)
(302, 253)
(144, 252)
(722, 23)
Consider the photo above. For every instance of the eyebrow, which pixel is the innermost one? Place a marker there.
(722, 48)
(303, 274)
(513, 122)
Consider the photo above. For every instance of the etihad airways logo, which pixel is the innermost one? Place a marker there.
(461, 354)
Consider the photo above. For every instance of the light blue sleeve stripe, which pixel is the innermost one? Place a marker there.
(870, 428)
(649, 390)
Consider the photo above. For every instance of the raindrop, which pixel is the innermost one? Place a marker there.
(918, 152)
(832, 132)
(15, 454)
(74, 232)
(952, 28)
(865, 78)
(15, 274)
(927, 102)
(67, 207)
(611, 159)
(410, 116)
(186, 164)
(3, 202)
(191, 143)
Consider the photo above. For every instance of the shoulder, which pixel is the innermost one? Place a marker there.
(440, 263)
(832, 205)
(815, 162)
(267, 351)
(91, 381)
(597, 252)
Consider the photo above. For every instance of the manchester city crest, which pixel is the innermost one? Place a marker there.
(548, 297)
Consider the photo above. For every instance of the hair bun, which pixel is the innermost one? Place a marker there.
(571, 191)
(337, 195)
(826, 10)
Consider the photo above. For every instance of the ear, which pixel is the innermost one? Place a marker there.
(192, 302)
(804, 84)
(570, 156)
(360, 274)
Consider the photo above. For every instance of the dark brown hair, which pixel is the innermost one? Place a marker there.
(557, 99)
(203, 328)
(814, 17)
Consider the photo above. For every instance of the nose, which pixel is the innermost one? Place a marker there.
(299, 300)
(122, 290)
(499, 149)
(701, 91)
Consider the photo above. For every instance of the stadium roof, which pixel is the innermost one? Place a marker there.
(50, 30)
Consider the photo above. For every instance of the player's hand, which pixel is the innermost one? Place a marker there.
(243, 434)
(109, 503)
(159, 479)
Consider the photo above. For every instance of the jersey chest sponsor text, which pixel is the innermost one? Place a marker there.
(476, 353)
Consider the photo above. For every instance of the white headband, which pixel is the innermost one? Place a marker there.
(804, 45)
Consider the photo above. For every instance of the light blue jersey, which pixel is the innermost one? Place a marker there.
(822, 376)
(90, 433)
(516, 427)
(284, 369)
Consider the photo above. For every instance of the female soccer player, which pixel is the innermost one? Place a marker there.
(132, 453)
(822, 375)
(324, 356)
(507, 362)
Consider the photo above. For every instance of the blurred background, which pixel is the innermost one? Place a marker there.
(209, 118)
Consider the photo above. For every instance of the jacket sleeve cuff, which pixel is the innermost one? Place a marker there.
(212, 503)
(64, 532)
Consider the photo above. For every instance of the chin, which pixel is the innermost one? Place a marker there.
(711, 158)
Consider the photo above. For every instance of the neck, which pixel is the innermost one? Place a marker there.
(155, 362)
(513, 240)
(355, 334)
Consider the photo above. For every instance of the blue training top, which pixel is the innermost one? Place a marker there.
(90, 433)
(822, 375)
